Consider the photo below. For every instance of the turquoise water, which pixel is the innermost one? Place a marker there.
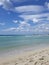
(22, 42)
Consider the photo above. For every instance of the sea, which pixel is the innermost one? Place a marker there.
(11, 44)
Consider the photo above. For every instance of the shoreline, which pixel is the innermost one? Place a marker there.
(33, 57)
(12, 52)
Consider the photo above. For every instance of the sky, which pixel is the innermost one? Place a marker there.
(24, 17)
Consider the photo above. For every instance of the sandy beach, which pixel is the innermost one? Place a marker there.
(38, 57)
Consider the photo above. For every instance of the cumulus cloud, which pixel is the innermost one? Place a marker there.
(41, 28)
(24, 26)
(32, 13)
(6, 4)
(15, 21)
(36, 18)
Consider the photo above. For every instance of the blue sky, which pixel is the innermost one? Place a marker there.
(24, 16)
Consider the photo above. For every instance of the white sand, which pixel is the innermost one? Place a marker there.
(38, 57)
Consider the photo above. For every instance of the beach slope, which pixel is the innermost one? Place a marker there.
(40, 57)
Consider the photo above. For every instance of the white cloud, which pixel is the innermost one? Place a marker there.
(30, 8)
(24, 23)
(30, 17)
(41, 28)
(6, 4)
(35, 20)
(47, 4)
(2, 23)
(9, 29)
(15, 21)
(47, 28)
(28, 12)
(26, 9)
(24, 26)
(1, 2)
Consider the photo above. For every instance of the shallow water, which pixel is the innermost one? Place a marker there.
(10, 43)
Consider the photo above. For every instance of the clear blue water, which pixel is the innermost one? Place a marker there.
(21, 42)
